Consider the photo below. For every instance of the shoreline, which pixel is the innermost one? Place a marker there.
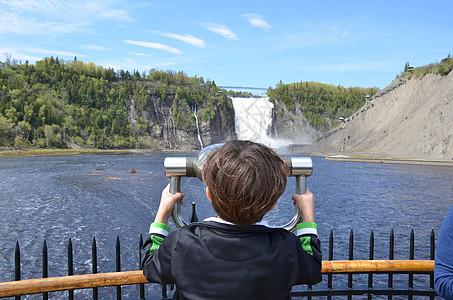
(403, 161)
(54, 152)
(78, 151)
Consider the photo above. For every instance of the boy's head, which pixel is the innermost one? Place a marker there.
(245, 180)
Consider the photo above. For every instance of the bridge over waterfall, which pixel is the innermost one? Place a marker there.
(244, 88)
(241, 88)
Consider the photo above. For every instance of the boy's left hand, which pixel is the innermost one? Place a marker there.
(167, 203)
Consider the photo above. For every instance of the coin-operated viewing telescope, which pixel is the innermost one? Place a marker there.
(177, 167)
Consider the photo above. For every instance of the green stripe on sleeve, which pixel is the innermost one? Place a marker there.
(156, 243)
(161, 226)
(306, 244)
(307, 225)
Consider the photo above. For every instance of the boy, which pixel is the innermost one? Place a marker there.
(235, 255)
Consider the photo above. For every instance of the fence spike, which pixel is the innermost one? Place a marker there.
(412, 245)
(432, 245)
(391, 257)
(392, 245)
(411, 257)
(94, 256)
(371, 253)
(17, 262)
(432, 255)
(351, 257)
(45, 266)
(118, 265)
(70, 266)
(331, 245)
(351, 245)
(141, 286)
(17, 265)
(94, 265)
(371, 257)
(329, 276)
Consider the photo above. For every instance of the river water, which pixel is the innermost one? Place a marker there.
(78, 197)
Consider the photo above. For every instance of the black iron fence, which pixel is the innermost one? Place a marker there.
(356, 285)
(349, 282)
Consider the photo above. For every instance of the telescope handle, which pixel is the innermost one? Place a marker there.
(301, 184)
(175, 184)
(301, 188)
(175, 187)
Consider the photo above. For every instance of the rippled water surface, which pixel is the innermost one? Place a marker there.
(57, 198)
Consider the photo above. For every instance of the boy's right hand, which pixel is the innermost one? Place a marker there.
(306, 205)
(167, 203)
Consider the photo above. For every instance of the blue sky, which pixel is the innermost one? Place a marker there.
(236, 43)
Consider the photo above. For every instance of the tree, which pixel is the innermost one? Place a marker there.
(406, 66)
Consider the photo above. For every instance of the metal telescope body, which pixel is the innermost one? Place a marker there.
(177, 167)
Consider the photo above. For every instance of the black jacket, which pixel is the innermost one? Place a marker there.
(210, 260)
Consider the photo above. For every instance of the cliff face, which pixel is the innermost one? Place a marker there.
(292, 126)
(408, 119)
(221, 128)
(193, 127)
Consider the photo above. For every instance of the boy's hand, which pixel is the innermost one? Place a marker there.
(306, 205)
(167, 203)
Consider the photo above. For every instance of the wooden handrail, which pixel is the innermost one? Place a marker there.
(363, 266)
(51, 284)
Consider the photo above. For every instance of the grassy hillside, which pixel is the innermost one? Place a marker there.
(443, 68)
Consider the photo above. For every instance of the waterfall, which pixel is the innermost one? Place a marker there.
(194, 111)
(253, 119)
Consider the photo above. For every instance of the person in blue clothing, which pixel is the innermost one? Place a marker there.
(443, 266)
(235, 255)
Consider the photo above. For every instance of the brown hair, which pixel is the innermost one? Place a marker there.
(245, 180)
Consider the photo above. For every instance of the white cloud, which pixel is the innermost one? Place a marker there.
(117, 14)
(53, 52)
(124, 26)
(166, 64)
(154, 46)
(257, 21)
(130, 61)
(94, 47)
(139, 54)
(18, 55)
(187, 38)
(339, 32)
(223, 30)
(13, 23)
(53, 17)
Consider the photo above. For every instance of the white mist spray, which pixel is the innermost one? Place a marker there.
(253, 119)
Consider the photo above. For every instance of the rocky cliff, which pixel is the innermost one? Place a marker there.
(292, 126)
(194, 127)
(411, 118)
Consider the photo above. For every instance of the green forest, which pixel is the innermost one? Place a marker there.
(322, 104)
(66, 104)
